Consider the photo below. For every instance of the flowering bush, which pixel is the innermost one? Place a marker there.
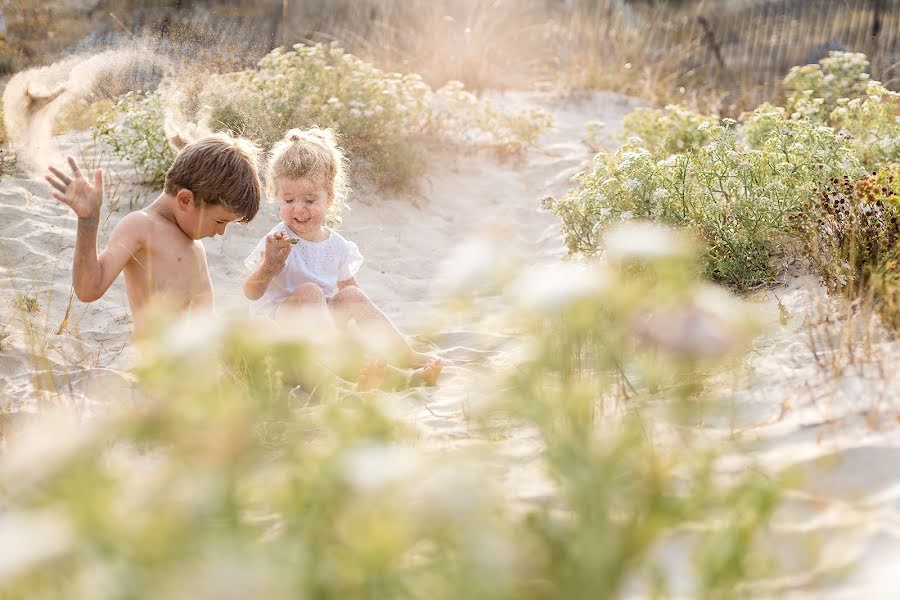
(873, 121)
(378, 115)
(839, 92)
(134, 130)
(670, 130)
(814, 90)
(742, 201)
(758, 126)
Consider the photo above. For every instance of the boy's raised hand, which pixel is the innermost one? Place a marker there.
(277, 249)
(76, 192)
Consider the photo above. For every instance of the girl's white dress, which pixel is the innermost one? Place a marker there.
(323, 263)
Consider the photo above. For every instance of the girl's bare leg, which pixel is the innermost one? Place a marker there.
(353, 303)
(307, 307)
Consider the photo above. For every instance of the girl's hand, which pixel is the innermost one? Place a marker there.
(76, 192)
(277, 249)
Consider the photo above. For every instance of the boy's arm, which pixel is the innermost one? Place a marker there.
(92, 275)
(204, 299)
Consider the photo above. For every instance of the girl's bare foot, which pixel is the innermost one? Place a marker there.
(427, 374)
(420, 359)
(372, 376)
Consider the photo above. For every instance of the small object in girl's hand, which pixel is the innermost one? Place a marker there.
(293, 240)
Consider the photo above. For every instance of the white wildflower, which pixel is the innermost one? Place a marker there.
(644, 241)
(374, 466)
(28, 540)
(551, 287)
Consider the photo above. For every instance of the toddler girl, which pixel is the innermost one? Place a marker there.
(303, 262)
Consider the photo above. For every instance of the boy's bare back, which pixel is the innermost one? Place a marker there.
(162, 265)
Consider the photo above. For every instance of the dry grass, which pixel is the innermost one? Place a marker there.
(723, 59)
(80, 115)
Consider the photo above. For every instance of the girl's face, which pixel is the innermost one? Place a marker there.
(303, 205)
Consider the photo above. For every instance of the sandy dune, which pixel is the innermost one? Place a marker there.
(836, 426)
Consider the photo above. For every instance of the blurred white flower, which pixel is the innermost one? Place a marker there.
(45, 446)
(448, 492)
(551, 287)
(376, 466)
(477, 265)
(660, 194)
(29, 539)
(710, 324)
(639, 240)
(193, 334)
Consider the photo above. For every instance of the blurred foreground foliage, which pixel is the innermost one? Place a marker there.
(217, 483)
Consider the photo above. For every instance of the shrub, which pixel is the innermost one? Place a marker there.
(135, 130)
(814, 90)
(855, 240)
(839, 92)
(670, 130)
(379, 115)
(27, 303)
(81, 114)
(873, 122)
(742, 201)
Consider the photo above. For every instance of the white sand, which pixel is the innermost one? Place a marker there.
(824, 423)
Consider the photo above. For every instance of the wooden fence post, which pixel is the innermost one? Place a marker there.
(710, 37)
(284, 14)
(878, 10)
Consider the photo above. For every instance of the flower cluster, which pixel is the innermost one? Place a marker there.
(669, 130)
(873, 123)
(815, 89)
(839, 92)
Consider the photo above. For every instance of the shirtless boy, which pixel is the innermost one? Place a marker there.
(212, 183)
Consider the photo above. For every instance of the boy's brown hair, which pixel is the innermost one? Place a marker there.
(219, 169)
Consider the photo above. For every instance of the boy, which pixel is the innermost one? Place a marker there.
(212, 182)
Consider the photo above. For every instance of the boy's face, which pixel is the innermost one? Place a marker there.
(200, 220)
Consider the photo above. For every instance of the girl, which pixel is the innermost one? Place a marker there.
(302, 262)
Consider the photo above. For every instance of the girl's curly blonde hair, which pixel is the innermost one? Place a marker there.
(309, 154)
